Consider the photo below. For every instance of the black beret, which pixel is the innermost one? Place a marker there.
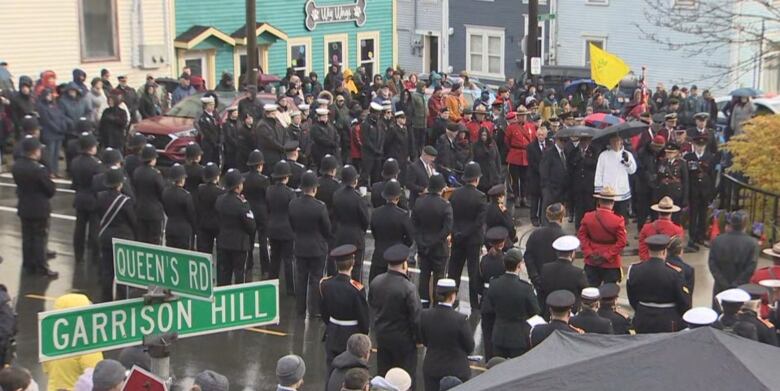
(560, 299)
(658, 242)
(396, 253)
(497, 233)
(343, 251)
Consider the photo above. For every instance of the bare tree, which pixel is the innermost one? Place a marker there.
(712, 26)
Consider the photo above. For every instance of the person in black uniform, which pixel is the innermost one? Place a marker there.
(539, 249)
(399, 141)
(389, 225)
(111, 158)
(730, 302)
(656, 292)
(609, 293)
(447, 337)
(765, 329)
(292, 151)
(554, 174)
(117, 220)
(325, 138)
(311, 225)
(344, 308)
(351, 218)
(231, 140)
(432, 219)
(180, 210)
(672, 178)
(701, 173)
(492, 266)
(582, 164)
(210, 130)
(560, 304)
(83, 168)
(396, 307)
(236, 228)
(674, 258)
(647, 179)
(280, 233)
(499, 215)
(469, 207)
(587, 318)
(511, 301)
(192, 156)
(419, 172)
(133, 150)
(34, 189)
(255, 186)
(271, 135)
(373, 133)
(328, 184)
(390, 170)
(561, 274)
(148, 184)
(205, 202)
(702, 130)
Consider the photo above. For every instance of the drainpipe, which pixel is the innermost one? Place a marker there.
(170, 56)
(134, 34)
(553, 37)
(444, 41)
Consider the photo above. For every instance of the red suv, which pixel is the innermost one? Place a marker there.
(171, 132)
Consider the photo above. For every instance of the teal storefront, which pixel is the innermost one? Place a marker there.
(304, 34)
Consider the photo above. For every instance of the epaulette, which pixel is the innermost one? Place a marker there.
(674, 267)
(767, 323)
(357, 284)
(577, 330)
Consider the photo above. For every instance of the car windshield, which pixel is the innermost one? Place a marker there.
(191, 107)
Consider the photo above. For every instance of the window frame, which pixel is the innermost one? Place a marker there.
(602, 3)
(591, 37)
(375, 35)
(486, 32)
(115, 35)
(327, 40)
(300, 41)
(543, 25)
(686, 4)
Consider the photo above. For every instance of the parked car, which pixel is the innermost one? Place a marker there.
(171, 132)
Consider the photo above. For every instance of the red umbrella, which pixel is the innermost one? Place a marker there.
(603, 120)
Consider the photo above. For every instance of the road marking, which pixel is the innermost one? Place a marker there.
(269, 332)
(53, 215)
(58, 189)
(8, 175)
(40, 297)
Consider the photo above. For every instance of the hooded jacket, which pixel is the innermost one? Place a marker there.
(341, 364)
(77, 74)
(74, 108)
(54, 123)
(22, 104)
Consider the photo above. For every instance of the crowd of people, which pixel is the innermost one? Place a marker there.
(439, 181)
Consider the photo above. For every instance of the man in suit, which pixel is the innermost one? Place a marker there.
(560, 304)
(554, 173)
(647, 178)
(149, 184)
(417, 176)
(447, 337)
(603, 237)
(432, 219)
(701, 175)
(512, 302)
(236, 227)
(539, 250)
(350, 213)
(536, 150)
(561, 273)
(469, 207)
(582, 164)
(588, 318)
(733, 255)
(608, 309)
(311, 225)
(389, 225)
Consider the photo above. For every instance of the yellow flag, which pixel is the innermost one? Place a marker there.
(606, 69)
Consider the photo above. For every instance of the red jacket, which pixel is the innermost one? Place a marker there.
(434, 107)
(658, 227)
(473, 126)
(517, 138)
(355, 142)
(607, 237)
(765, 273)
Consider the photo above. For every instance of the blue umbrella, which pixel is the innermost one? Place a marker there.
(746, 91)
(574, 85)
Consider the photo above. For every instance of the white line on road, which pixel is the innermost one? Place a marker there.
(58, 189)
(8, 175)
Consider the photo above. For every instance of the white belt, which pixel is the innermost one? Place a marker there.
(343, 322)
(487, 285)
(657, 305)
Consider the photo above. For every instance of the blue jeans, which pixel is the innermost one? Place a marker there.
(52, 155)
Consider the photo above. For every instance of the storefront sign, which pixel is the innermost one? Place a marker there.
(315, 14)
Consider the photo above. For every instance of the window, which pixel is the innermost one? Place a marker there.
(299, 55)
(336, 51)
(597, 2)
(241, 60)
(540, 30)
(541, 2)
(368, 52)
(599, 42)
(485, 51)
(98, 30)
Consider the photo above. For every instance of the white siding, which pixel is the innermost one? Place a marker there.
(45, 34)
(428, 19)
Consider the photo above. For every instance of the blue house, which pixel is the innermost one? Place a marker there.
(307, 35)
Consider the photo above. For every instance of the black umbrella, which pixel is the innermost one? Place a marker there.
(699, 359)
(577, 131)
(746, 91)
(625, 130)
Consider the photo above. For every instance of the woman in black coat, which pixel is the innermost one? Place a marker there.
(486, 154)
(113, 124)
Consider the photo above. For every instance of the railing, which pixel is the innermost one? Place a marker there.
(762, 206)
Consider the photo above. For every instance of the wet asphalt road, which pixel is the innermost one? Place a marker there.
(246, 357)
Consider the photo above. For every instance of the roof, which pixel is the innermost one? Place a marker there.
(262, 28)
(197, 34)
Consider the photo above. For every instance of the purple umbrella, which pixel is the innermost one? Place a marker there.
(603, 120)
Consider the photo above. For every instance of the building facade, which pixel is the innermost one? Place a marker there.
(307, 35)
(486, 37)
(127, 37)
(421, 26)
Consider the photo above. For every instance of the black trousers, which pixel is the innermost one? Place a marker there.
(371, 170)
(550, 197)
(583, 203)
(377, 267)
(150, 231)
(282, 252)
(178, 241)
(357, 270)
(697, 226)
(230, 266)
(261, 236)
(468, 253)
(505, 352)
(598, 275)
(518, 176)
(107, 273)
(643, 198)
(621, 208)
(308, 273)
(535, 206)
(431, 270)
(34, 233)
(206, 238)
(488, 320)
(657, 320)
(389, 356)
(86, 231)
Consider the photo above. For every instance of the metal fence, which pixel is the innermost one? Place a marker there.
(763, 206)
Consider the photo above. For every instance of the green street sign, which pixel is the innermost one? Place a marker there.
(118, 324)
(186, 273)
(542, 17)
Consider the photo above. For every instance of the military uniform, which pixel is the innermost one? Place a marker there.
(561, 274)
(656, 292)
(469, 208)
(117, 220)
(765, 329)
(210, 132)
(350, 223)
(194, 177)
(271, 137)
(148, 184)
(389, 225)
(582, 163)
(447, 337)
(672, 179)
(236, 227)
(372, 150)
(208, 219)
(311, 225)
(621, 324)
(280, 234)
(34, 190)
(491, 266)
(541, 332)
(496, 216)
(180, 209)
(539, 251)
(590, 321)
(603, 236)
(132, 161)
(297, 172)
(377, 200)
(344, 310)
(325, 141)
(432, 219)
(328, 185)
(701, 173)
(512, 302)
(84, 168)
(255, 186)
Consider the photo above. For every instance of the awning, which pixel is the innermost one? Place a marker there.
(263, 28)
(197, 34)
